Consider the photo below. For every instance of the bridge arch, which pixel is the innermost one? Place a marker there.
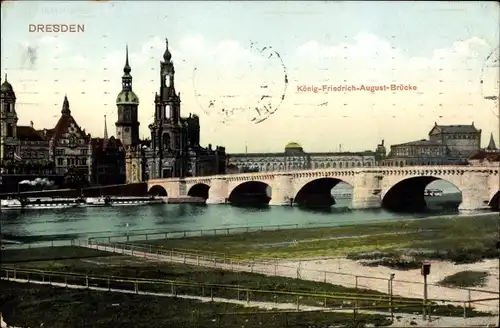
(158, 190)
(318, 192)
(407, 195)
(495, 201)
(250, 193)
(199, 190)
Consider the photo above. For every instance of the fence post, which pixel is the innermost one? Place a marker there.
(198, 260)
(109, 240)
(184, 257)
(171, 256)
(66, 280)
(109, 285)
(357, 298)
(184, 233)
(275, 269)
(465, 311)
(15, 274)
(232, 265)
(211, 294)
(52, 243)
(43, 277)
(157, 254)
(248, 296)
(136, 285)
(470, 298)
(298, 303)
(87, 281)
(172, 291)
(324, 277)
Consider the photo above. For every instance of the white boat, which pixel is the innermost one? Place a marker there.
(39, 203)
(134, 201)
(123, 201)
(433, 193)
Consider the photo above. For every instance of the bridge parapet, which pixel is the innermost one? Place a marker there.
(370, 185)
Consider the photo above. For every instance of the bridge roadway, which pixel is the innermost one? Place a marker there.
(390, 187)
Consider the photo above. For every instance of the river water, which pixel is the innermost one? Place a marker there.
(89, 222)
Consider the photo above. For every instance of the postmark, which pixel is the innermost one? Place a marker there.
(265, 76)
(489, 81)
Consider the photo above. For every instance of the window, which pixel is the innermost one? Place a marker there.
(167, 111)
(83, 161)
(84, 151)
(60, 161)
(10, 130)
(166, 141)
(59, 151)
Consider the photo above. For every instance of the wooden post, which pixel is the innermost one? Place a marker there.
(211, 294)
(298, 304)
(136, 285)
(324, 278)
(248, 297)
(465, 311)
(87, 281)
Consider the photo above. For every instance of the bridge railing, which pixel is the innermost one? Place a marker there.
(276, 268)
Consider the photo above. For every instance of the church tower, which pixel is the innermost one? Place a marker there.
(168, 134)
(127, 103)
(9, 145)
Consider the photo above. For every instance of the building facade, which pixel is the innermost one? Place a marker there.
(175, 149)
(108, 160)
(446, 145)
(295, 158)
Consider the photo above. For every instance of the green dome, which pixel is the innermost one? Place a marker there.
(293, 145)
(127, 97)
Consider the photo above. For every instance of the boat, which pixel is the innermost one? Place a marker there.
(39, 203)
(433, 193)
(123, 201)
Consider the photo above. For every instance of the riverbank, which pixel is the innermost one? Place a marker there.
(398, 244)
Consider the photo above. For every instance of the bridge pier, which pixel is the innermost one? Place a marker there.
(475, 195)
(218, 192)
(366, 191)
(282, 190)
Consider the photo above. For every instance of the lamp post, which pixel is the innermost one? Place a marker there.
(391, 279)
(425, 271)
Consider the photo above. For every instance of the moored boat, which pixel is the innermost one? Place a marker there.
(39, 203)
(133, 201)
(123, 201)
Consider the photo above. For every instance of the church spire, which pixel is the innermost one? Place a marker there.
(65, 107)
(492, 146)
(126, 78)
(167, 56)
(126, 68)
(105, 129)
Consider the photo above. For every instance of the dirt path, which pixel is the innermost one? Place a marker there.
(402, 319)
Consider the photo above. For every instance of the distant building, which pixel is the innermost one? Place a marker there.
(28, 153)
(108, 160)
(490, 156)
(447, 145)
(295, 158)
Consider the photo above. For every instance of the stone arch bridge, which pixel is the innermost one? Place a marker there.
(372, 187)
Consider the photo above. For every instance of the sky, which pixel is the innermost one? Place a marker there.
(249, 69)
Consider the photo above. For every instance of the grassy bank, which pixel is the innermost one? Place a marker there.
(50, 253)
(224, 284)
(31, 305)
(443, 238)
(465, 279)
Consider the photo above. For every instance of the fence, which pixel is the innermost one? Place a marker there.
(148, 234)
(298, 301)
(275, 268)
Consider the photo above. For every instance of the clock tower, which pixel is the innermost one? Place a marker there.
(127, 103)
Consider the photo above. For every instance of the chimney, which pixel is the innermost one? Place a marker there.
(32, 124)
